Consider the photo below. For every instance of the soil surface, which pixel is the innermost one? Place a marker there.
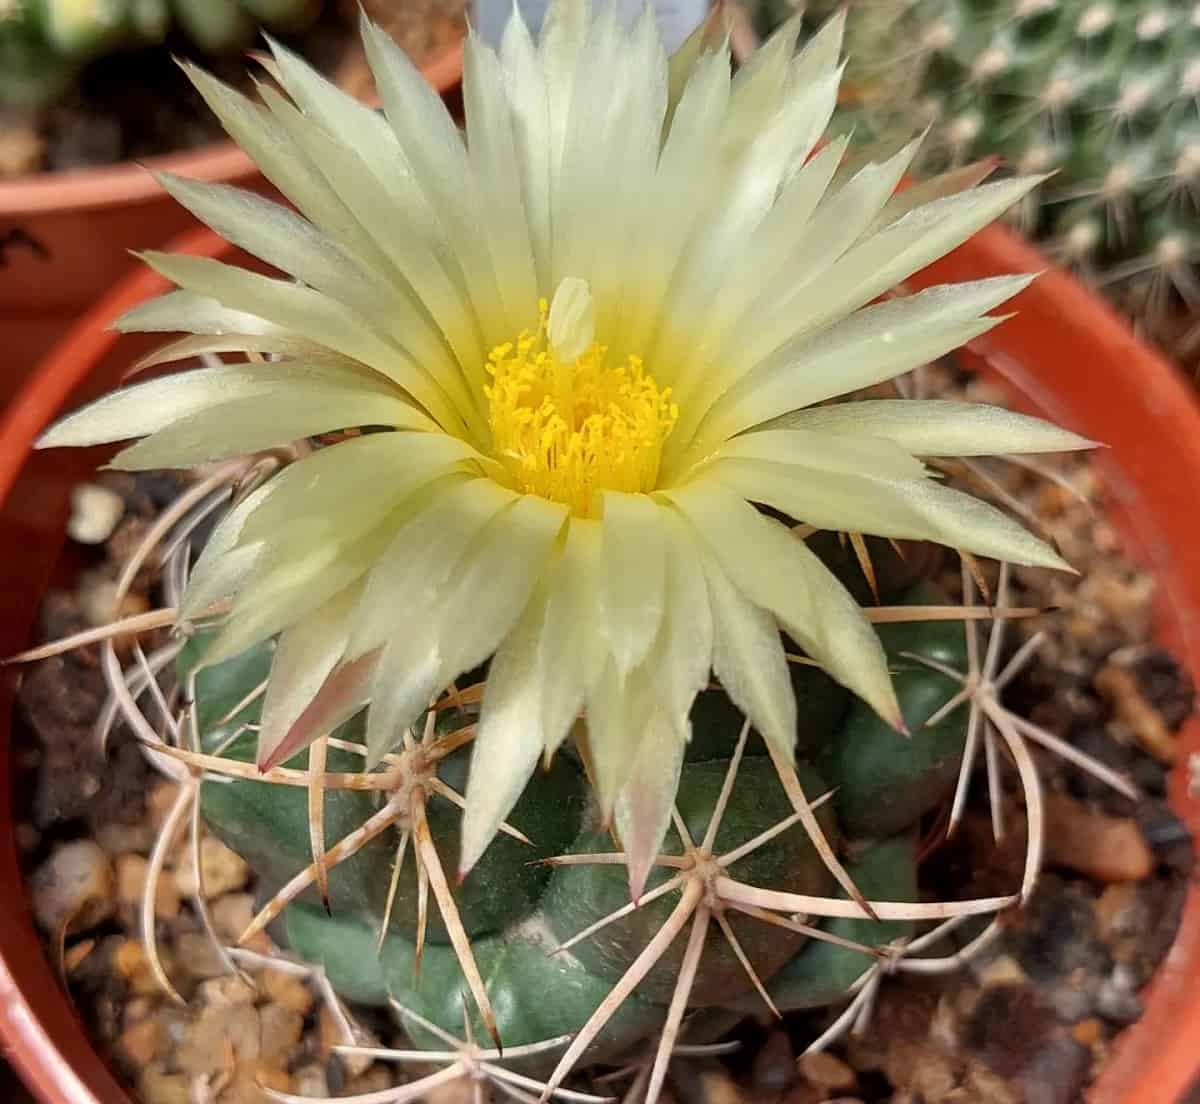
(136, 104)
(1028, 1022)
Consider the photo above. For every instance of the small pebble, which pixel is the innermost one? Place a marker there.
(1119, 687)
(1117, 1000)
(142, 1042)
(827, 1071)
(222, 870)
(279, 1034)
(130, 962)
(74, 888)
(156, 1086)
(1108, 849)
(231, 915)
(197, 955)
(717, 1087)
(131, 885)
(95, 511)
(376, 1079)
(1088, 1032)
(310, 1081)
(287, 991)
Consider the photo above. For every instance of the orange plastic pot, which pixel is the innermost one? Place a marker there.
(65, 237)
(1064, 355)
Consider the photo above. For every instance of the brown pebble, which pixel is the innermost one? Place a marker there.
(217, 1035)
(142, 1042)
(329, 1035)
(1088, 1032)
(131, 963)
(231, 914)
(158, 804)
(227, 990)
(197, 955)
(73, 888)
(279, 1034)
(1108, 849)
(717, 1087)
(1119, 687)
(131, 884)
(156, 1086)
(310, 1081)
(376, 1079)
(288, 991)
(827, 1071)
(222, 870)
(1117, 911)
(74, 955)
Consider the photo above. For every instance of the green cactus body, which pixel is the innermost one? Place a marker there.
(44, 43)
(517, 911)
(1104, 94)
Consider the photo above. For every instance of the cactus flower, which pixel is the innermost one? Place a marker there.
(569, 352)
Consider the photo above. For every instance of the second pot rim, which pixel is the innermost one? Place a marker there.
(129, 183)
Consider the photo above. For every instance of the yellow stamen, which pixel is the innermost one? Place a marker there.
(568, 428)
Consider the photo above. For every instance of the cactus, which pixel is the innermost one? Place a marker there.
(534, 454)
(1103, 94)
(44, 43)
(540, 886)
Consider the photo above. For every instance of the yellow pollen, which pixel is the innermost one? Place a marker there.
(568, 429)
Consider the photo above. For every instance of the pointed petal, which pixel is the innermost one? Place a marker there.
(643, 807)
(633, 589)
(939, 427)
(305, 657)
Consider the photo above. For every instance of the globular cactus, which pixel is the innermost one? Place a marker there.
(44, 43)
(1103, 94)
(547, 880)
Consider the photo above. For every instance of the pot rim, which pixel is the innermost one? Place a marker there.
(130, 183)
(1092, 374)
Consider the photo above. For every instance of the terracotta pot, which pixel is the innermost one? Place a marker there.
(65, 237)
(1064, 355)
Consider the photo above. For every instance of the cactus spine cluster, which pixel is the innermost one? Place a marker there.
(44, 43)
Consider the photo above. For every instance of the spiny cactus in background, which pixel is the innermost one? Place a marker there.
(44, 43)
(1104, 94)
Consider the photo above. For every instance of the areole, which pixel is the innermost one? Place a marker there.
(1064, 355)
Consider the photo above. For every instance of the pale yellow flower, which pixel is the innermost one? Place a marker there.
(595, 329)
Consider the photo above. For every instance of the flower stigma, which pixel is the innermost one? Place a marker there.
(566, 421)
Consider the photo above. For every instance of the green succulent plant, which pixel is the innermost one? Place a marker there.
(44, 43)
(524, 906)
(1103, 94)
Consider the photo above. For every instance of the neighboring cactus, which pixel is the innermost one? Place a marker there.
(1104, 94)
(44, 43)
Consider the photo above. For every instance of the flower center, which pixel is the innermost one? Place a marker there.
(567, 421)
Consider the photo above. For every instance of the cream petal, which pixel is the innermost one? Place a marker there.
(312, 315)
(633, 587)
(872, 345)
(492, 153)
(222, 567)
(873, 456)
(683, 654)
(777, 571)
(149, 407)
(749, 660)
(902, 509)
(185, 311)
(305, 657)
(938, 427)
(642, 810)
(509, 739)
(876, 264)
(236, 428)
